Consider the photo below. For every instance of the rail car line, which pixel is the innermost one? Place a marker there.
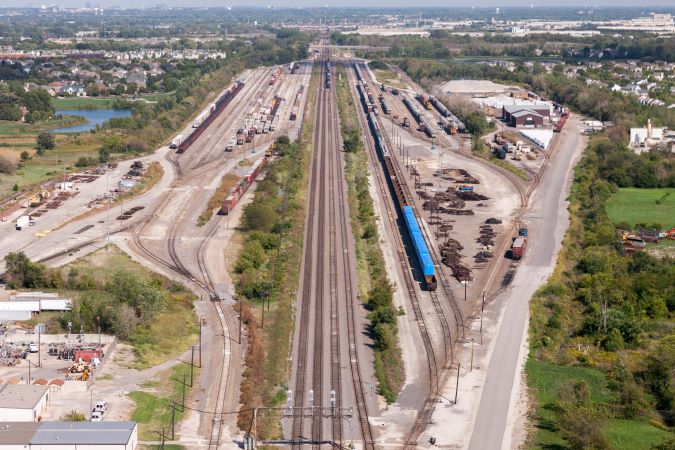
(432, 362)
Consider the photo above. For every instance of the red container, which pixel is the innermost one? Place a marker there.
(86, 355)
(228, 204)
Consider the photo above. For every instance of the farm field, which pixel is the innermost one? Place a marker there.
(633, 205)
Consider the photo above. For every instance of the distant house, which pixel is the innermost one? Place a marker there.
(138, 78)
(73, 90)
(118, 72)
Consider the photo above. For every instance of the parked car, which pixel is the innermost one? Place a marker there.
(101, 406)
(96, 416)
(33, 347)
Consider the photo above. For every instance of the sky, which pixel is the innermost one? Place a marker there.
(642, 4)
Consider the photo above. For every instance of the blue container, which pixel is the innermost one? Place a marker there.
(420, 246)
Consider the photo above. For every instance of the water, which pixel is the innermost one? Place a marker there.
(93, 116)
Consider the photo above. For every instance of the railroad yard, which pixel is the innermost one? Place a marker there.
(447, 220)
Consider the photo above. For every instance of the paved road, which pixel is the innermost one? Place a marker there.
(548, 221)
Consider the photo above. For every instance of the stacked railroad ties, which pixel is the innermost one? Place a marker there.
(410, 220)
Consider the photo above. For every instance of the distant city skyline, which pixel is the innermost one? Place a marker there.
(342, 3)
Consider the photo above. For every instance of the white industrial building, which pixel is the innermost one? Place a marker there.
(643, 139)
(68, 436)
(23, 402)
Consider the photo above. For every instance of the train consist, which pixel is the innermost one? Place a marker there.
(242, 186)
(207, 118)
(328, 75)
(409, 218)
(450, 123)
(417, 114)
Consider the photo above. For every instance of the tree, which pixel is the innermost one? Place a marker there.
(22, 272)
(46, 140)
(93, 90)
(9, 107)
(259, 216)
(25, 156)
(131, 289)
(120, 89)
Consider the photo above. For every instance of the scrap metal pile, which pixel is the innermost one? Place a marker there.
(453, 259)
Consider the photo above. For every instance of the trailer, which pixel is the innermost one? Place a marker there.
(175, 142)
(518, 247)
(24, 221)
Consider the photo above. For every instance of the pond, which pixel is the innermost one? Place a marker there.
(94, 117)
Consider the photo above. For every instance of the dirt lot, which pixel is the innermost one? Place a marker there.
(499, 199)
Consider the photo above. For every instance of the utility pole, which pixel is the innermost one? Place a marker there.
(192, 366)
(457, 385)
(200, 342)
(473, 340)
(107, 209)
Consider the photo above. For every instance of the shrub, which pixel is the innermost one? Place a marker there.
(7, 165)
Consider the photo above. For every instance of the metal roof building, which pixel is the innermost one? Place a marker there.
(21, 402)
(68, 435)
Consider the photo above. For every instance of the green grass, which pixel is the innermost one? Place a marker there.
(633, 435)
(633, 205)
(83, 103)
(153, 411)
(545, 380)
(548, 378)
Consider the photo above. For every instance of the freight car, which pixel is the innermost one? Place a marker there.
(457, 124)
(242, 186)
(420, 248)
(410, 221)
(215, 110)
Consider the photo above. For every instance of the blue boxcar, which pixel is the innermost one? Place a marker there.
(421, 250)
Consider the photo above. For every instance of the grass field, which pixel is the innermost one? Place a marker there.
(634, 205)
(82, 103)
(153, 409)
(632, 435)
(545, 380)
(389, 77)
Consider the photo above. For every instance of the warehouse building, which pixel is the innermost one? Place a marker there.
(68, 435)
(23, 403)
(528, 115)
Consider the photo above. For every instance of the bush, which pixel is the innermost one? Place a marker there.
(73, 416)
(25, 156)
(46, 140)
(7, 165)
(86, 161)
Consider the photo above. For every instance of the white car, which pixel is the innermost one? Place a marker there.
(101, 406)
(33, 347)
(96, 416)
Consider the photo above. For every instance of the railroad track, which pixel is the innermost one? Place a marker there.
(327, 282)
(350, 297)
(410, 285)
(306, 293)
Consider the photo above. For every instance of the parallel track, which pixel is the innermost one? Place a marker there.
(387, 194)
